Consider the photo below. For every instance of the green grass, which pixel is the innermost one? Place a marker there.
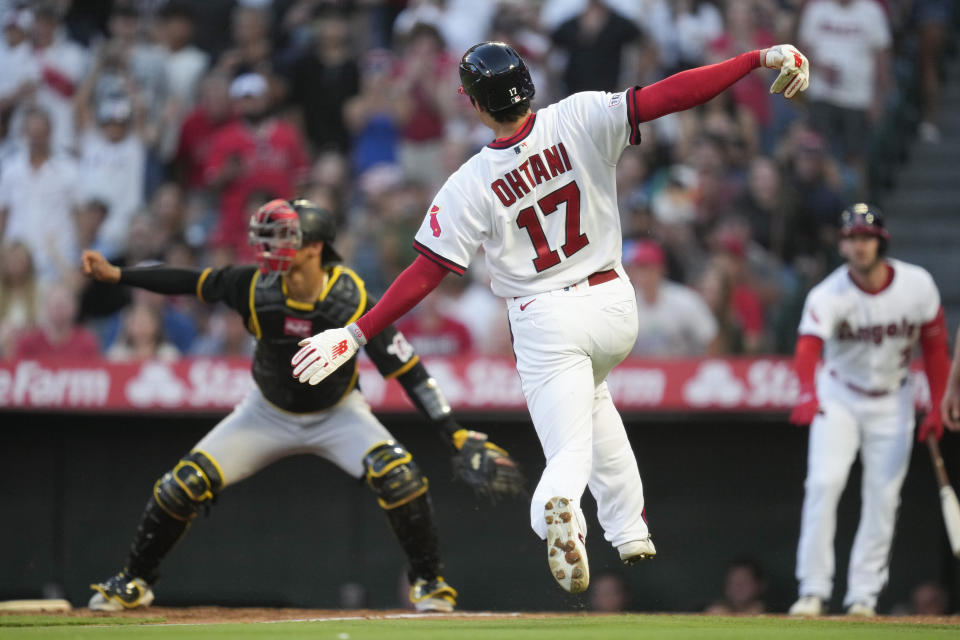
(562, 628)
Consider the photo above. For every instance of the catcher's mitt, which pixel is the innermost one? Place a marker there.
(487, 468)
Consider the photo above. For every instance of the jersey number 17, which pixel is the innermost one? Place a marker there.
(574, 240)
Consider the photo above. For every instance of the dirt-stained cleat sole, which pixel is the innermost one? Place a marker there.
(566, 553)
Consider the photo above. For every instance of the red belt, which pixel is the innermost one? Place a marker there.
(870, 393)
(602, 276)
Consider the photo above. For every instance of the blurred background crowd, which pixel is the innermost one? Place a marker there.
(151, 129)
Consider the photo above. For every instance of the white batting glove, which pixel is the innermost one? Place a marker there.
(794, 69)
(324, 353)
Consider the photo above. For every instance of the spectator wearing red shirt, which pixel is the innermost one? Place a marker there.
(729, 292)
(57, 332)
(422, 69)
(199, 127)
(257, 152)
(433, 332)
(743, 33)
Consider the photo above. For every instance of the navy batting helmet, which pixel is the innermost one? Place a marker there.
(494, 75)
(864, 219)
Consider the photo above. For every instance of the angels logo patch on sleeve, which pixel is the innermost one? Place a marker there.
(434, 224)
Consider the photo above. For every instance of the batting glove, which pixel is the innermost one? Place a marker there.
(805, 410)
(931, 424)
(324, 353)
(794, 69)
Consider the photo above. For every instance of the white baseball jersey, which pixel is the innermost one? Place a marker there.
(542, 202)
(842, 41)
(869, 337)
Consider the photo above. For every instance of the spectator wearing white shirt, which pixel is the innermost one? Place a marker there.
(184, 64)
(112, 168)
(19, 76)
(59, 65)
(848, 43)
(38, 192)
(674, 320)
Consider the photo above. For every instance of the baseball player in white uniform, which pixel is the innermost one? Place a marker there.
(866, 318)
(541, 200)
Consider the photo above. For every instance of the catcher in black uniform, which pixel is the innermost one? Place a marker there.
(298, 291)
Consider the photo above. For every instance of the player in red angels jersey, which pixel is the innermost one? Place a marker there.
(541, 201)
(863, 321)
(298, 290)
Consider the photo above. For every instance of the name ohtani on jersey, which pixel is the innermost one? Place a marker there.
(536, 200)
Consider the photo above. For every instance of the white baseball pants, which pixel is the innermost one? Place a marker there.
(257, 434)
(881, 429)
(566, 342)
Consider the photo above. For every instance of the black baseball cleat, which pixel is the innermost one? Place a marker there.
(120, 592)
(433, 595)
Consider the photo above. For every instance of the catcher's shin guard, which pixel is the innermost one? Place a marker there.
(177, 496)
(401, 491)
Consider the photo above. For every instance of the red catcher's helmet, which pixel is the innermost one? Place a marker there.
(864, 219)
(275, 234)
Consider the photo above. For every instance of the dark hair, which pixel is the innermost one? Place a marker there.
(511, 113)
(748, 563)
(177, 9)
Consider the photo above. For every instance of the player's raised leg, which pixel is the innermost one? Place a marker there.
(885, 454)
(834, 439)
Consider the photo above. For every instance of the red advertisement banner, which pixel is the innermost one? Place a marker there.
(206, 385)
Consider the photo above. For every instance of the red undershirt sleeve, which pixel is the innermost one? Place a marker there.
(693, 87)
(805, 360)
(936, 359)
(409, 288)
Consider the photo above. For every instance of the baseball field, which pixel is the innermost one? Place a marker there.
(253, 624)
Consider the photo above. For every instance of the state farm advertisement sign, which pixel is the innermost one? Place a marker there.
(470, 383)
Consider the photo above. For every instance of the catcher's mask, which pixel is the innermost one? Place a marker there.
(276, 236)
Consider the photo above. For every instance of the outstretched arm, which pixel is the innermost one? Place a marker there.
(167, 280)
(694, 87)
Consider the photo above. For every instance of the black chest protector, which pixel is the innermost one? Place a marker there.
(280, 323)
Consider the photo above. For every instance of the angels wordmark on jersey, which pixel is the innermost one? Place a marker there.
(869, 337)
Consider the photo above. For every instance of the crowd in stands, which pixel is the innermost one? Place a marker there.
(151, 129)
